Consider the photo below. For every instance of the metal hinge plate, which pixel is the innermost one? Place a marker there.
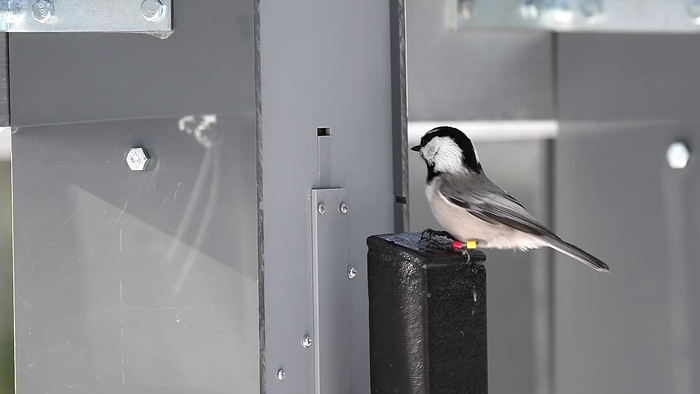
(152, 17)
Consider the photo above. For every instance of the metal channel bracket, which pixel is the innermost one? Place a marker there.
(330, 290)
(153, 17)
(614, 16)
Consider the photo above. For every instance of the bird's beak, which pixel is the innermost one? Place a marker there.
(416, 148)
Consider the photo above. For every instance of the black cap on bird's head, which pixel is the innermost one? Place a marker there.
(447, 149)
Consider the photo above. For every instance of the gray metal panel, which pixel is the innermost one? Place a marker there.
(518, 283)
(323, 64)
(101, 304)
(95, 283)
(608, 77)
(633, 330)
(92, 77)
(475, 75)
(330, 267)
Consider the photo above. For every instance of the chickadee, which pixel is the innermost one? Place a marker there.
(472, 208)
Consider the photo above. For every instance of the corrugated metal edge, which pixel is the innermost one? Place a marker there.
(397, 23)
(261, 212)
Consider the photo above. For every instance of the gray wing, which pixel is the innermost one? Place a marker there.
(485, 200)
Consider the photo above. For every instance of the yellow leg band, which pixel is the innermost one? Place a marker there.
(471, 244)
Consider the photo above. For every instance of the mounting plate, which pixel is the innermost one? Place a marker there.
(153, 17)
(613, 16)
(330, 292)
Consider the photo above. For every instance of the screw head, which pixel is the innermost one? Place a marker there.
(306, 341)
(322, 208)
(344, 207)
(152, 10)
(137, 159)
(678, 155)
(352, 272)
(591, 8)
(42, 10)
(281, 374)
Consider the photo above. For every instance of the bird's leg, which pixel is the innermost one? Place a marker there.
(465, 247)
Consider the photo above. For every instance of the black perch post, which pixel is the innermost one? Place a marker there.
(427, 318)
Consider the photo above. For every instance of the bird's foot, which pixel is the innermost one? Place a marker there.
(444, 240)
(437, 239)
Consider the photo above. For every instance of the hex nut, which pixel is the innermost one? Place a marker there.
(152, 10)
(137, 159)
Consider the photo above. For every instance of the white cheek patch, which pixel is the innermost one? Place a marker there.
(445, 154)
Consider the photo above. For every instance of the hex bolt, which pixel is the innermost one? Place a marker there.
(591, 8)
(344, 207)
(322, 208)
(42, 10)
(152, 10)
(281, 374)
(137, 159)
(306, 341)
(678, 155)
(352, 272)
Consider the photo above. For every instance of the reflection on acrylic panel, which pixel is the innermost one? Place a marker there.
(6, 321)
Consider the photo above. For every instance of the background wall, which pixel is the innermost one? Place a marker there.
(604, 183)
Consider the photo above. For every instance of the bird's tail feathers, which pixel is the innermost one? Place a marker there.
(577, 254)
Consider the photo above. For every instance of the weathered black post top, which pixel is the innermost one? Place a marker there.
(427, 317)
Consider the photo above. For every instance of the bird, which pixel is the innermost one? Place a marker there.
(471, 207)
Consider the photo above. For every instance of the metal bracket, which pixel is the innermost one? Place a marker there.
(330, 291)
(152, 17)
(621, 16)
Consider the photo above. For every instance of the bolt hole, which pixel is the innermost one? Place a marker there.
(401, 200)
(323, 131)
